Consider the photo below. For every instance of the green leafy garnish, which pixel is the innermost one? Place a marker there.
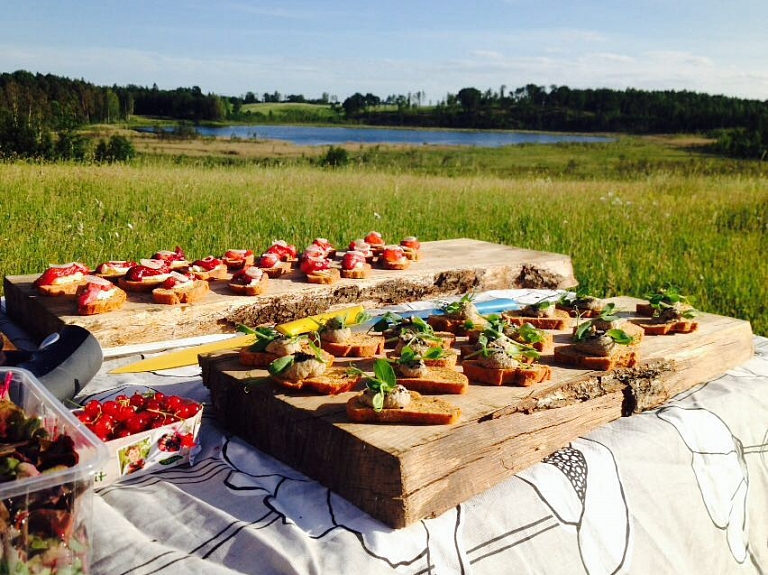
(281, 364)
(457, 307)
(669, 295)
(383, 381)
(264, 336)
(409, 355)
(529, 334)
(387, 321)
(619, 336)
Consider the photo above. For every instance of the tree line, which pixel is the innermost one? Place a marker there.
(40, 114)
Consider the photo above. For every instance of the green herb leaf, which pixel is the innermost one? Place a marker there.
(619, 336)
(385, 374)
(280, 364)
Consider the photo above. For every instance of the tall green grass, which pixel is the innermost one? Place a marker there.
(706, 234)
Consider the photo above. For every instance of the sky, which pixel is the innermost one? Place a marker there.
(230, 47)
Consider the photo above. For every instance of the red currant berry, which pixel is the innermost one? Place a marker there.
(93, 408)
(137, 400)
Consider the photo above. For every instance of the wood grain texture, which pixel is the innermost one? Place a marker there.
(400, 474)
(448, 267)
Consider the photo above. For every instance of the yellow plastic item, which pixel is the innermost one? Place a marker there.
(311, 323)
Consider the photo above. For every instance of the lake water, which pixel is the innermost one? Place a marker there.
(327, 136)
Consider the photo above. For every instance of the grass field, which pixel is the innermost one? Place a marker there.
(674, 216)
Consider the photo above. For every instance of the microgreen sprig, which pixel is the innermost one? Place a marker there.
(382, 382)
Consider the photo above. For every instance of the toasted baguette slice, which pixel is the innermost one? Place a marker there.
(256, 289)
(218, 273)
(330, 276)
(439, 380)
(357, 274)
(421, 411)
(264, 358)
(445, 323)
(450, 360)
(278, 270)
(56, 290)
(520, 376)
(397, 265)
(561, 320)
(667, 328)
(104, 305)
(195, 291)
(359, 345)
(142, 286)
(624, 356)
(334, 381)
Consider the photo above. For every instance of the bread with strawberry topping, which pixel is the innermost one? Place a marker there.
(114, 269)
(354, 266)
(250, 280)
(238, 259)
(180, 288)
(412, 247)
(61, 279)
(175, 259)
(328, 250)
(360, 245)
(283, 250)
(376, 242)
(318, 269)
(99, 295)
(394, 258)
(146, 276)
(270, 264)
(208, 268)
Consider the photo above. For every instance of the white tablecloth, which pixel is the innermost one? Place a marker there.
(680, 489)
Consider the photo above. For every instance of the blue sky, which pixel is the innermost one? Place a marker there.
(394, 47)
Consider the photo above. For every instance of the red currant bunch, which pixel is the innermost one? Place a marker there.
(125, 415)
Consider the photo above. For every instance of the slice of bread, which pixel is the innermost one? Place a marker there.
(396, 265)
(250, 290)
(278, 270)
(57, 290)
(333, 381)
(358, 345)
(439, 380)
(446, 324)
(220, 272)
(357, 274)
(450, 360)
(523, 376)
(186, 293)
(667, 328)
(561, 319)
(623, 356)
(115, 301)
(264, 358)
(332, 275)
(421, 411)
(145, 286)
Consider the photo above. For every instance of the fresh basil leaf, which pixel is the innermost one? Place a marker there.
(384, 373)
(280, 364)
(620, 336)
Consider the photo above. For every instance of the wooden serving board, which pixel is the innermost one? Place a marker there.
(447, 267)
(400, 474)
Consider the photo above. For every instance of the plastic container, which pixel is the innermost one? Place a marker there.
(48, 516)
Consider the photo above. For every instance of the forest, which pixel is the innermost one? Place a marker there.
(40, 114)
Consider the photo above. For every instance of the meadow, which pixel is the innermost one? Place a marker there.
(632, 215)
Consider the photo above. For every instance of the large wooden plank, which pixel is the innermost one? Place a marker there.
(448, 267)
(401, 474)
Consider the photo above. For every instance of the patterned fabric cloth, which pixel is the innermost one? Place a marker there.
(679, 489)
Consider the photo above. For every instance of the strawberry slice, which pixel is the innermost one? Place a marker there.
(393, 254)
(283, 250)
(374, 239)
